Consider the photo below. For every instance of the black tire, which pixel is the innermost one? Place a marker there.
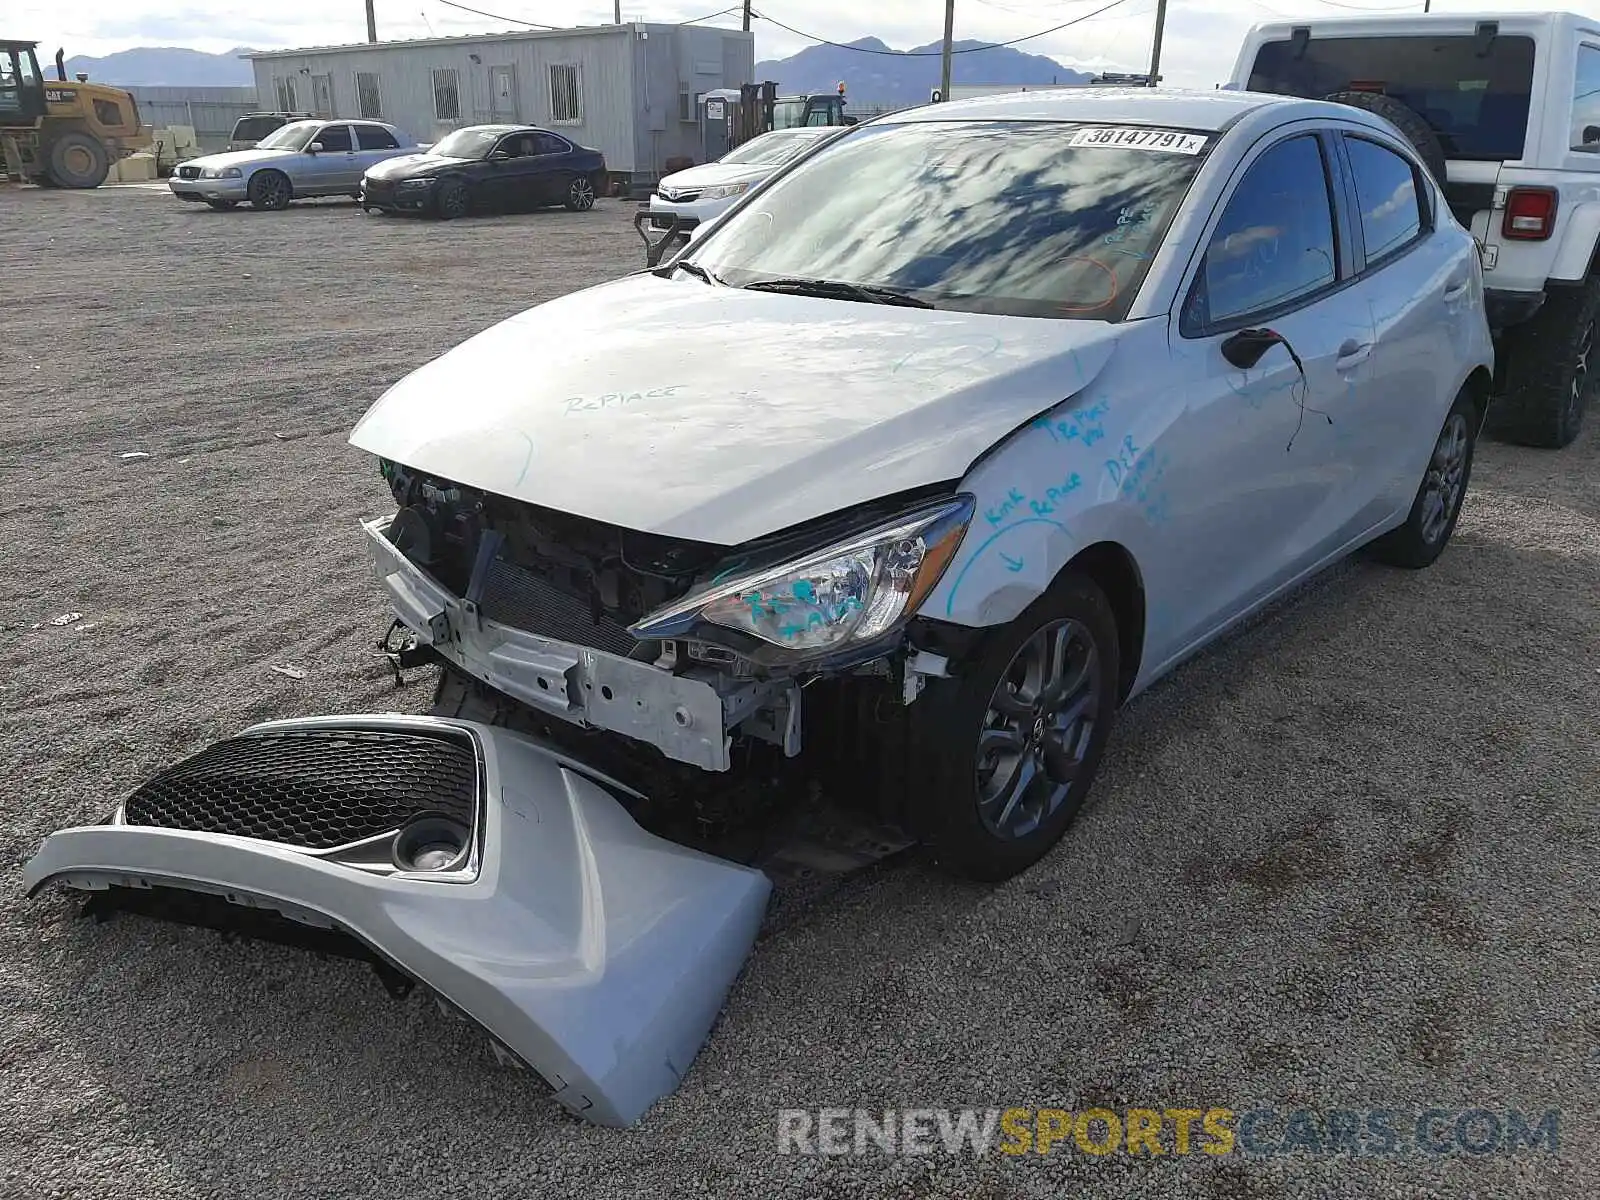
(580, 194)
(1440, 496)
(1547, 377)
(222, 205)
(1412, 124)
(76, 160)
(956, 716)
(452, 200)
(270, 191)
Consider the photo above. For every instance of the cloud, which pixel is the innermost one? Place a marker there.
(1199, 47)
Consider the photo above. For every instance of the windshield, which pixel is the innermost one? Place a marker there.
(789, 114)
(467, 143)
(1476, 102)
(770, 148)
(1027, 218)
(293, 136)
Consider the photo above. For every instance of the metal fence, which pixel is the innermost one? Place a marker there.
(209, 111)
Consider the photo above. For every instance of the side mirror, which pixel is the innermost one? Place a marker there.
(1245, 348)
(314, 148)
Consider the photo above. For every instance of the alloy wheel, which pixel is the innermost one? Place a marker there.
(1442, 487)
(581, 195)
(1037, 730)
(1580, 372)
(454, 201)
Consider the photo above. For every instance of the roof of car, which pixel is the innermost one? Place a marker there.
(1120, 105)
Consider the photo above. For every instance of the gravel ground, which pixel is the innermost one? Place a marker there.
(1344, 861)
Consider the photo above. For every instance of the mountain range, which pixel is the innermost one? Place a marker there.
(874, 74)
(871, 71)
(159, 66)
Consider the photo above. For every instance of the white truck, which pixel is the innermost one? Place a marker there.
(1505, 109)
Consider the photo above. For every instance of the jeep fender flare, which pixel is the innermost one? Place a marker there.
(1576, 256)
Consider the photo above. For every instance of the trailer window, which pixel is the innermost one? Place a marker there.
(1476, 102)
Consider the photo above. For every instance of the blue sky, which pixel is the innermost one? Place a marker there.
(1201, 39)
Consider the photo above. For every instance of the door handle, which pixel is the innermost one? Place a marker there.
(1456, 290)
(1352, 354)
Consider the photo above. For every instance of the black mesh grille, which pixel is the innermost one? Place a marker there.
(314, 788)
(512, 596)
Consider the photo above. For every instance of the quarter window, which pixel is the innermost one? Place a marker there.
(1586, 101)
(446, 95)
(335, 139)
(549, 143)
(1386, 191)
(1275, 241)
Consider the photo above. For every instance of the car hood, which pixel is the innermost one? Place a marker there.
(711, 174)
(236, 158)
(407, 166)
(717, 414)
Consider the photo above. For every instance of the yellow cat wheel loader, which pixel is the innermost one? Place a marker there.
(61, 132)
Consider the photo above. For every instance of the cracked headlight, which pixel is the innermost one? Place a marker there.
(723, 190)
(843, 595)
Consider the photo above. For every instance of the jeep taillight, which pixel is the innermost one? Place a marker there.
(1530, 214)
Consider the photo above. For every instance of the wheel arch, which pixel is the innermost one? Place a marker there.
(1480, 385)
(1116, 572)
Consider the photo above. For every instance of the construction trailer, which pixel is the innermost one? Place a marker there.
(631, 91)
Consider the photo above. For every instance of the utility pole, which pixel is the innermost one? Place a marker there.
(949, 38)
(747, 16)
(372, 22)
(1155, 49)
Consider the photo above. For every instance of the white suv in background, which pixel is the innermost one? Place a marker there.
(1505, 109)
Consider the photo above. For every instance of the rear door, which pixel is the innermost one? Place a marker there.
(1417, 286)
(374, 143)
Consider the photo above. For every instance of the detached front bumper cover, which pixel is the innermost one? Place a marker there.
(596, 952)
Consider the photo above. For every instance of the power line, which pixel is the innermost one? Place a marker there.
(495, 16)
(939, 53)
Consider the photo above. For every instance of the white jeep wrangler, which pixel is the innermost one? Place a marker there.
(1505, 109)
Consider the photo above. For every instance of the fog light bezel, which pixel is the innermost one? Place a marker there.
(425, 830)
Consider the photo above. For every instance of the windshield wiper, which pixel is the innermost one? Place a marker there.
(693, 268)
(837, 289)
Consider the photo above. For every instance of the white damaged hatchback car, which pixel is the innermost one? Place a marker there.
(928, 455)
(984, 416)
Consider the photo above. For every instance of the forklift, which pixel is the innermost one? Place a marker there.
(61, 133)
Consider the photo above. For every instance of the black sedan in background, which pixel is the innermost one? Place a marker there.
(487, 167)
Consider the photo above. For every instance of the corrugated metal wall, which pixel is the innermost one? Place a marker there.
(211, 111)
(629, 80)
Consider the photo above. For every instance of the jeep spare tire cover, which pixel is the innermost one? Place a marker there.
(1406, 119)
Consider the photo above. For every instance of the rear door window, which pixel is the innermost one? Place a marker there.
(1386, 190)
(376, 137)
(1475, 98)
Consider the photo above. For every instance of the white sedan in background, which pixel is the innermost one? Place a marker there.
(696, 195)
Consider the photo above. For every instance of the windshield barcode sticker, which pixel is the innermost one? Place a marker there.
(1164, 140)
